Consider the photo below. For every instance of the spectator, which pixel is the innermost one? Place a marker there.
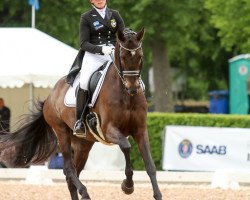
(4, 117)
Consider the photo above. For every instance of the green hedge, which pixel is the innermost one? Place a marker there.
(157, 121)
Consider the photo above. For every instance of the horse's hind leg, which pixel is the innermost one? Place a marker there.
(143, 145)
(81, 151)
(72, 189)
(63, 134)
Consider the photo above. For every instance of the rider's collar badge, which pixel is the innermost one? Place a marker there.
(113, 23)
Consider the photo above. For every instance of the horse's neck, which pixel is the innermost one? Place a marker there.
(115, 78)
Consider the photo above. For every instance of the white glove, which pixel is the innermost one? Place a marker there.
(107, 50)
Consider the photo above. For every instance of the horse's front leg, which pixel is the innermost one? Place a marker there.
(69, 169)
(117, 138)
(144, 148)
(127, 184)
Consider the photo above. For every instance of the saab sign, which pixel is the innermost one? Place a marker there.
(206, 148)
(186, 147)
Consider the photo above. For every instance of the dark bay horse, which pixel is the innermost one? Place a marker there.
(121, 107)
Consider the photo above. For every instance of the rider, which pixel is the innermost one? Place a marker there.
(98, 28)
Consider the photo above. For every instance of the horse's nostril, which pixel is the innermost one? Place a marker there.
(133, 91)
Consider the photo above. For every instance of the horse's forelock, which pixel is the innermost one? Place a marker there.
(129, 34)
(130, 39)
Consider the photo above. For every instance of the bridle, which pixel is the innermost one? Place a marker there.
(123, 73)
(132, 72)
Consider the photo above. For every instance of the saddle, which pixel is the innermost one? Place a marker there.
(95, 85)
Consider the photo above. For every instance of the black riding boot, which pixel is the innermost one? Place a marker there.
(81, 105)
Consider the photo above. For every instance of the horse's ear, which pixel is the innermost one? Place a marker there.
(121, 36)
(140, 34)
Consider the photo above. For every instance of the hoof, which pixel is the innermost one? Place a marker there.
(125, 189)
(85, 198)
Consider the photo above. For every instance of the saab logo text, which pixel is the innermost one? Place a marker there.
(211, 149)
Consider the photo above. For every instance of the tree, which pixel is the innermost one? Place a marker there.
(197, 51)
(178, 33)
(140, 15)
(232, 19)
(62, 25)
(14, 13)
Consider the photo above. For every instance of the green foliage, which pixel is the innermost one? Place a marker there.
(183, 26)
(191, 40)
(232, 18)
(197, 51)
(13, 13)
(157, 121)
(59, 22)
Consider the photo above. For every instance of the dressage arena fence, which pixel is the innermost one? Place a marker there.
(42, 175)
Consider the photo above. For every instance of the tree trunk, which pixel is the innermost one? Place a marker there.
(162, 97)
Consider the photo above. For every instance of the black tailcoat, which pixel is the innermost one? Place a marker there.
(94, 31)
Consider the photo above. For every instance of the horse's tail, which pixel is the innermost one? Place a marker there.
(34, 141)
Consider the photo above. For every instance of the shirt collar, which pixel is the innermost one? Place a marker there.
(101, 11)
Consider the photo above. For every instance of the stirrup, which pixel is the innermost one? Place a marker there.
(80, 129)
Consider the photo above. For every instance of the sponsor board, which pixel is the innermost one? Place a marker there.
(206, 148)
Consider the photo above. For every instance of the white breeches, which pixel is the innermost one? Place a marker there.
(91, 62)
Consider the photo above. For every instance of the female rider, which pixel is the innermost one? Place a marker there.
(98, 28)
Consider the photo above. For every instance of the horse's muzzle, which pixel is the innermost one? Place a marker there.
(133, 91)
(132, 86)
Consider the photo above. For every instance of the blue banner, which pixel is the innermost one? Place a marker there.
(34, 3)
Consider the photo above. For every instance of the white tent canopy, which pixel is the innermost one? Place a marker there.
(28, 55)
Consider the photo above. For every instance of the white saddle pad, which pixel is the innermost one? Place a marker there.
(70, 97)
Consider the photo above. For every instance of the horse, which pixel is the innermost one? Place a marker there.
(121, 107)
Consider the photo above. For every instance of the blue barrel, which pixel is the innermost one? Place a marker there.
(218, 100)
(56, 162)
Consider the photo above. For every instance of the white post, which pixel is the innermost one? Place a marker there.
(31, 96)
(33, 18)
